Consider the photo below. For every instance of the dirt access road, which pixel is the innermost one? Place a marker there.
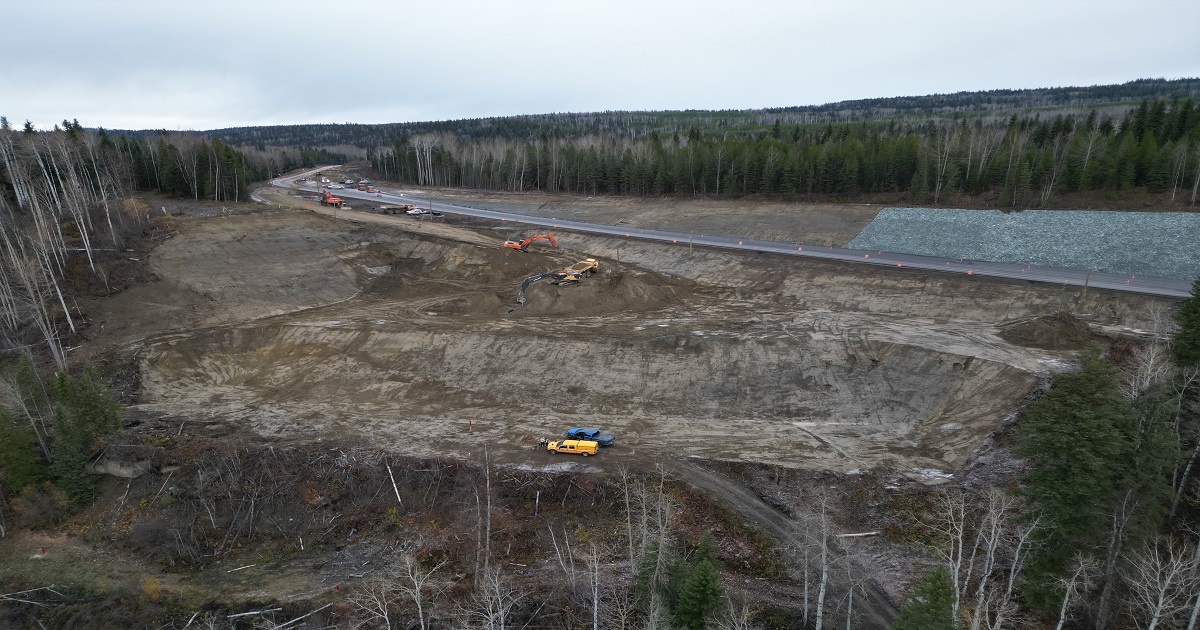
(291, 325)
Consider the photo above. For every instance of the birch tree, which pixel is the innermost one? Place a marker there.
(416, 583)
(1058, 151)
(822, 532)
(984, 549)
(1161, 578)
(187, 150)
(493, 602)
(1074, 585)
(943, 146)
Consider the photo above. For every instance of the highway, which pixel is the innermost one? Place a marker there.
(1070, 277)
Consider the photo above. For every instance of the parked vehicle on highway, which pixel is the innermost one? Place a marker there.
(592, 434)
(579, 447)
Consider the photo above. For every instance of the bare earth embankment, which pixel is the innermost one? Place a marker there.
(706, 353)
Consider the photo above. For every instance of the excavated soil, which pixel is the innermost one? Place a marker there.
(288, 325)
(1061, 331)
(313, 325)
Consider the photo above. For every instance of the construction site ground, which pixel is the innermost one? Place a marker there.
(288, 323)
(291, 324)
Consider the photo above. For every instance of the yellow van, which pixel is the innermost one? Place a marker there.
(581, 447)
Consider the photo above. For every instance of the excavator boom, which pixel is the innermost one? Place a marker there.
(523, 246)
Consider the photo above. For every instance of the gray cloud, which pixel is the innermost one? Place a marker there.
(201, 65)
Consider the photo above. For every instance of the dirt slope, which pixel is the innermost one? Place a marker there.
(297, 326)
(705, 353)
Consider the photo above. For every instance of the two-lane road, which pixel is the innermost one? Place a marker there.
(1074, 277)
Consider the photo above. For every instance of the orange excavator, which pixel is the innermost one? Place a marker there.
(327, 199)
(523, 246)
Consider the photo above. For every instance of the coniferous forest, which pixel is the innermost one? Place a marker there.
(1012, 148)
(1024, 161)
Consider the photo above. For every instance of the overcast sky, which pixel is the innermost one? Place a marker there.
(184, 64)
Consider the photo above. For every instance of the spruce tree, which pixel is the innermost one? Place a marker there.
(699, 596)
(83, 412)
(1153, 452)
(1185, 343)
(20, 460)
(931, 606)
(1076, 440)
(71, 449)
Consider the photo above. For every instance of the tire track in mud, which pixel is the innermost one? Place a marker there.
(878, 612)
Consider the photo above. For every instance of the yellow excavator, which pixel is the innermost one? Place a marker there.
(570, 275)
(576, 272)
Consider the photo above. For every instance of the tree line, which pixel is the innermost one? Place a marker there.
(1020, 162)
(992, 104)
(1102, 530)
(63, 198)
(64, 210)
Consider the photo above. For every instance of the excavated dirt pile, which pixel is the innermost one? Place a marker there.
(1061, 331)
(452, 279)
